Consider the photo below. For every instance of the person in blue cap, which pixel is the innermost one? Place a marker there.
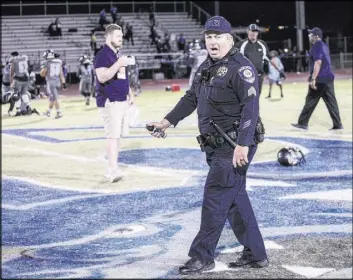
(224, 90)
(321, 83)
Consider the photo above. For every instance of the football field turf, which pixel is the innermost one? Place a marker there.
(61, 218)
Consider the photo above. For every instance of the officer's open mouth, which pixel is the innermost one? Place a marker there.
(214, 49)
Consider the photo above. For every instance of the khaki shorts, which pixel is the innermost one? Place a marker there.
(114, 116)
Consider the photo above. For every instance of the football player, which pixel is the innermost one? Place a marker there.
(54, 76)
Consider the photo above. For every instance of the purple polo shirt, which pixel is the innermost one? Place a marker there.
(115, 89)
(320, 51)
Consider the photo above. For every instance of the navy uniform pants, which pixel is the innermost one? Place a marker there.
(225, 198)
(326, 91)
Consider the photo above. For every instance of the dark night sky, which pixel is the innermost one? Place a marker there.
(331, 16)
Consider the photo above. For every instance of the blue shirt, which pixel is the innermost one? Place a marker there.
(320, 51)
(115, 89)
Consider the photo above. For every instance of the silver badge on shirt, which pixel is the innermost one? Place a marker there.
(222, 71)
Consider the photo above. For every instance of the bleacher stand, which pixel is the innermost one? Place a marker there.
(29, 35)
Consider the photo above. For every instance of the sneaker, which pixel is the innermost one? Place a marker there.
(58, 115)
(47, 114)
(114, 176)
(87, 102)
(300, 126)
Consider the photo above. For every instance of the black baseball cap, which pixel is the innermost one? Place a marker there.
(219, 24)
(315, 31)
(254, 27)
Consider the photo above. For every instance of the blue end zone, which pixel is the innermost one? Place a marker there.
(61, 228)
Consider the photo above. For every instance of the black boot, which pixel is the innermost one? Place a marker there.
(241, 262)
(195, 266)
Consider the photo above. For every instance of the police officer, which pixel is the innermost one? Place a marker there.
(257, 52)
(321, 83)
(225, 90)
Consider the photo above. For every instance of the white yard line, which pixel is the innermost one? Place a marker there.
(50, 202)
(26, 138)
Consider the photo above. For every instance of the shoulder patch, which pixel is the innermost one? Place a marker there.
(247, 74)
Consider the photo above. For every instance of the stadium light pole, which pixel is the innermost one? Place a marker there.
(216, 8)
(300, 23)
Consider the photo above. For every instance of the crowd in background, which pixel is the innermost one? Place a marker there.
(292, 60)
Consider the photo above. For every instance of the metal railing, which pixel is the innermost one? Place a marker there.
(70, 7)
(89, 7)
(339, 44)
(198, 13)
(345, 60)
(300, 63)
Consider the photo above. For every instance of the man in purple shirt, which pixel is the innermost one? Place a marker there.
(320, 83)
(113, 94)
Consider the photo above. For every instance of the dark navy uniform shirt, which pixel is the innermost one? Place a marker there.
(256, 52)
(233, 87)
(320, 51)
(117, 88)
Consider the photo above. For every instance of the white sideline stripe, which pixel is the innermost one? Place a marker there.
(83, 190)
(74, 273)
(78, 241)
(316, 137)
(334, 195)
(266, 183)
(26, 138)
(301, 175)
(290, 230)
(342, 215)
(308, 271)
(62, 187)
(325, 136)
(151, 170)
(49, 202)
(48, 153)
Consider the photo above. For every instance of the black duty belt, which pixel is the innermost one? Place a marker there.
(214, 140)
